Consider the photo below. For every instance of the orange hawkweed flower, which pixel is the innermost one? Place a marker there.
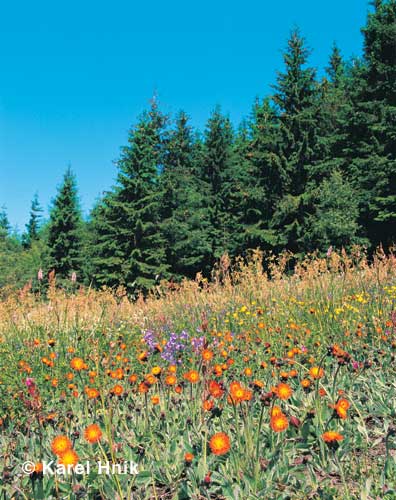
(332, 437)
(283, 391)
(188, 458)
(155, 400)
(276, 411)
(215, 389)
(156, 370)
(38, 467)
(150, 379)
(91, 393)
(69, 459)
(117, 390)
(279, 423)
(219, 443)
(60, 444)
(207, 405)
(192, 376)
(207, 355)
(170, 380)
(316, 372)
(92, 433)
(341, 408)
(143, 387)
(78, 364)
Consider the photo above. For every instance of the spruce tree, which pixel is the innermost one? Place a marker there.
(296, 96)
(370, 148)
(130, 249)
(334, 219)
(184, 217)
(216, 173)
(263, 178)
(64, 231)
(33, 226)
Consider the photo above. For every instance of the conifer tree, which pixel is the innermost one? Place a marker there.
(263, 178)
(130, 249)
(64, 231)
(334, 221)
(296, 96)
(216, 173)
(370, 149)
(33, 226)
(184, 217)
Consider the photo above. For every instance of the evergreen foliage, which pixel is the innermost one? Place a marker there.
(313, 166)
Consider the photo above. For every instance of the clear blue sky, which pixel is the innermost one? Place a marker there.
(75, 76)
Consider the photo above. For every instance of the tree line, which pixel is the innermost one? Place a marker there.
(313, 166)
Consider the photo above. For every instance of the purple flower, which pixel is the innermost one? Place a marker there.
(150, 339)
(198, 343)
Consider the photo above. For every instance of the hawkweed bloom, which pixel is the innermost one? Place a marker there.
(60, 444)
(283, 391)
(92, 433)
(332, 437)
(78, 364)
(316, 372)
(219, 443)
(279, 422)
(69, 458)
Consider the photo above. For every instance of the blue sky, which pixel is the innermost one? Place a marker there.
(75, 76)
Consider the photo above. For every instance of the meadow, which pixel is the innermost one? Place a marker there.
(264, 383)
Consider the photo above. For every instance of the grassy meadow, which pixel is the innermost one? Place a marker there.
(272, 384)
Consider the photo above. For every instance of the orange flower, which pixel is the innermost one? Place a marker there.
(276, 411)
(188, 458)
(207, 405)
(215, 389)
(69, 459)
(170, 380)
(237, 394)
(305, 383)
(117, 390)
(207, 355)
(316, 372)
(60, 444)
(192, 376)
(143, 356)
(38, 467)
(143, 387)
(279, 422)
(219, 443)
(283, 391)
(91, 393)
(92, 433)
(155, 400)
(78, 364)
(341, 408)
(150, 379)
(332, 437)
